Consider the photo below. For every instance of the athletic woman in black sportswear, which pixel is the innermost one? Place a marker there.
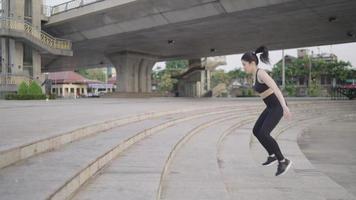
(276, 108)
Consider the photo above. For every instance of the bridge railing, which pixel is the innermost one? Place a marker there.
(64, 7)
(46, 10)
(45, 38)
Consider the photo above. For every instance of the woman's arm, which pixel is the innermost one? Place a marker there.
(262, 75)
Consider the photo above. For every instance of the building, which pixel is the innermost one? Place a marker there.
(70, 84)
(301, 82)
(23, 43)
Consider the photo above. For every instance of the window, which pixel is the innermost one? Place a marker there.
(71, 90)
(301, 80)
(322, 80)
(328, 80)
(27, 55)
(60, 90)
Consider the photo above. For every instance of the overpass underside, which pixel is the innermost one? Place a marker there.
(133, 35)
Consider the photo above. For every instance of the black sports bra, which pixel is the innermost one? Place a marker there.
(259, 87)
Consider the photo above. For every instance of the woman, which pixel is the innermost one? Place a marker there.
(276, 108)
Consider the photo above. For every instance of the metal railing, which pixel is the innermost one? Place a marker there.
(12, 79)
(46, 39)
(64, 7)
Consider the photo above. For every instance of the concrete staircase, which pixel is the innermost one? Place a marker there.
(200, 153)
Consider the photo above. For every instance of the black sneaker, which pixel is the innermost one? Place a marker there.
(283, 167)
(270, 160)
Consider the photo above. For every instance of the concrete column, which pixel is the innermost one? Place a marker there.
(36, 13)
(18, 61)
(136, 75)
(17, 9)
(36, 64)
(4, 55)
(202, 82)
(149, 68)
(208, 76)
(12, 55)
(132, 70)
(142, 80)
(124, 67)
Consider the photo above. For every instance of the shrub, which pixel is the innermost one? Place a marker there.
(34, 88)
(23, 89)
(25, 92)
(249, 92)
(291, 90)
(314, 90)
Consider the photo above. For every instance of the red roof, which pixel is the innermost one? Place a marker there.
(69, 77)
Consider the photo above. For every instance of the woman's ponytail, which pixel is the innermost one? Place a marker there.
(264, 56)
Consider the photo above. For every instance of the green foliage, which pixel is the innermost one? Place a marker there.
(93, 74)
(291, 89)
(163, 77)
(166, 82)
(52, 96)
(23, 88)
(177, 64)
(314, 89)
(219, 76)
(300, 67)
(247, 92)
(25, 97)
(25, 92)
(34, 88)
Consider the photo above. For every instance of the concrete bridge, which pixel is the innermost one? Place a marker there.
(133, 35)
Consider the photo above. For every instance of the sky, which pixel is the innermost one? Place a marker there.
(345, 52)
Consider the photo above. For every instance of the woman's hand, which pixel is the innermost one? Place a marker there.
(287, 114)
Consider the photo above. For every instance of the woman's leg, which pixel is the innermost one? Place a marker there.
(256, 130)
(263, 134)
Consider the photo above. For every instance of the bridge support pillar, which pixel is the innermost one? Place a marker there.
(133, 72)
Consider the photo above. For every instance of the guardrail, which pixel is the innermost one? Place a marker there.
(11, 79)
(45, 38)
(64, 7)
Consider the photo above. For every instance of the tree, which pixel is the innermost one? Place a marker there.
(163, 77)
(23, 88)
(34, 88)
(93, 74)
(219, 76)
(166, 82)
(177, 64)
(300, 68)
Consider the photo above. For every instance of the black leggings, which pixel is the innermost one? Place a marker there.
(264, 125)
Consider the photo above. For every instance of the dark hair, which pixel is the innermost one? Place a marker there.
(252, 56)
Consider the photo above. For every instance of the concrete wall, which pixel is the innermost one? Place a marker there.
(18, 64)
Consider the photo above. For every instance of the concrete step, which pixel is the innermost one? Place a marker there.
(242, 174)
(31, 144)
(246, 178)
(301, 182)
(98, 188)
(194, 173)
(137, 173)
(60, 173)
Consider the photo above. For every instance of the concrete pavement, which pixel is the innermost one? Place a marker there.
(176, 155)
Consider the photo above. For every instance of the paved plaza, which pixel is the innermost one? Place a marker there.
(173, 149)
